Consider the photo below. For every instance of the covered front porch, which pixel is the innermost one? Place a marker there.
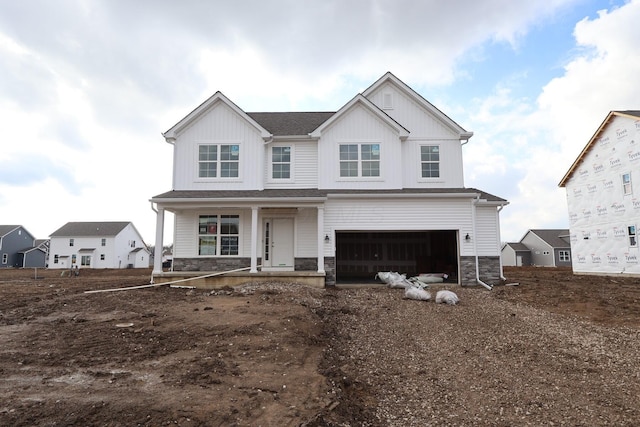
(255, 236)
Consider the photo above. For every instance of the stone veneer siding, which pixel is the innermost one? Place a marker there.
(489, 268)
(225, 264)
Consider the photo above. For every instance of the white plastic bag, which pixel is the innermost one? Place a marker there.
(393, 279)
(411, 292)
(446, 297)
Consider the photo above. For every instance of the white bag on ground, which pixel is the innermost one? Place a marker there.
(411, 292)
(393, 279)
(446, 297)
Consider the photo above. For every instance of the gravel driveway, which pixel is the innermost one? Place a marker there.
(486, 361)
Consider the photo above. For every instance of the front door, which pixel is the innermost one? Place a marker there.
(278, 244)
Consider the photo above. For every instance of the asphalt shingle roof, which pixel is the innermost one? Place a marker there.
(89, 229)
(281, 124)
(552, 237)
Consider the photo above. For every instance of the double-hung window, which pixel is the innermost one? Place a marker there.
(281, 162)
(633, 238)
(218, 160)
(218, 235)
(359, 160)
(564, 256)
(430, 161)
(626, 184)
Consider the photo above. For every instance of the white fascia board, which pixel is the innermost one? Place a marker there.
(361, 100)
(403, 195)
(172, 133)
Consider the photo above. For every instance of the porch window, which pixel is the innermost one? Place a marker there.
(633, 241)
(281, 162)
(218, 160)
(359, 160)
(564, 256)
(430, 161)
(218, 234)
(626, 184)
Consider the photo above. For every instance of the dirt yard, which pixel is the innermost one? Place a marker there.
(557, 349)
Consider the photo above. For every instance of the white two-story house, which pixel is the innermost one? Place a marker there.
(375, 186)
(603, 198)
(116, 244)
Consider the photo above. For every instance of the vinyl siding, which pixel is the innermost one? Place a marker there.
(219, 125)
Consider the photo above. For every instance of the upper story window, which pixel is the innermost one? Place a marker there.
(71, 242)
(430, 161)
(218, 235)
(281, 162)
(626, 183)
(103, 242)
(359, 160)
(218, 160)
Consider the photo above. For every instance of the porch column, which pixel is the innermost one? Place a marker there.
(254, 239)
(157, 255)
(321, 241)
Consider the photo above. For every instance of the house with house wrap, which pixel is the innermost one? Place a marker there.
(375, 186)
(108, 244)
(603, 198)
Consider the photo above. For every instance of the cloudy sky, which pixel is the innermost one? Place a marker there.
(87, 87)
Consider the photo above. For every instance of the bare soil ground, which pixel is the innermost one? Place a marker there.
(556, 349)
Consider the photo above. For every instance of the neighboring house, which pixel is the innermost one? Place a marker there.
(547, 248)
(35, 256)
(376, 186)
(18, 248)
(603, 198)
(98, 245)
(515, 254)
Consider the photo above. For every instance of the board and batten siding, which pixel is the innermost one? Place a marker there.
(360, 126)
(413, 116)
(219, 125)
(384, 215)
(304, 165)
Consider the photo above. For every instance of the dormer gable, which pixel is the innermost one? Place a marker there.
(361, 101)
(171, 134)
(386, 102)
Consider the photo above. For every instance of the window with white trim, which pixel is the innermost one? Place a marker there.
(633, 238)
(103, 242)
(626, 184)
(218, 160)
(359, 160)
(85, 260)
(5, 258)
(218, 235)
(56, 259)
(281, 162)
(430, 161)
(71, 242)
(564, 256)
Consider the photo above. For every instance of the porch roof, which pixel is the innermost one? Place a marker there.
(312, 194)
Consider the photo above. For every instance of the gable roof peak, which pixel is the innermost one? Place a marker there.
(171, 134)
(389, 77)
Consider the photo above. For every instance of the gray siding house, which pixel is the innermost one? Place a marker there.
(18, 248)
(541, 247)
